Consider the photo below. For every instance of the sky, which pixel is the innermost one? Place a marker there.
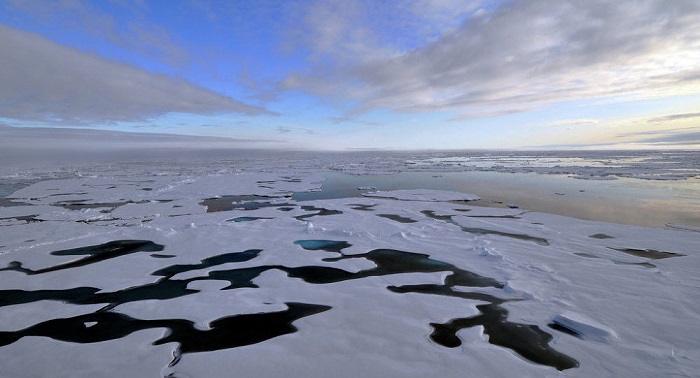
(360, 74)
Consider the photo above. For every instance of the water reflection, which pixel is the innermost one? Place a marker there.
(630, 201)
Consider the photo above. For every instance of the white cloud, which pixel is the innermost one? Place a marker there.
(520, 56)
(435, 17)
(570, 122)
(138, 34)
(674, 117)
(44, 81)
(689, 138)
(289, 129)
(28, 145)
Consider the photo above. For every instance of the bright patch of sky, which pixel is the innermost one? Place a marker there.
(354, 74)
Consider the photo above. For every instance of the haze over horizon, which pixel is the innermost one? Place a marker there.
(356, 74)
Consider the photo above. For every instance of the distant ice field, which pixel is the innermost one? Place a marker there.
(371, 264)
(650, 188)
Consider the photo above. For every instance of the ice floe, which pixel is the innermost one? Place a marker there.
(100, 276)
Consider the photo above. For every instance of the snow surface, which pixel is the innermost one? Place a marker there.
(633, 315)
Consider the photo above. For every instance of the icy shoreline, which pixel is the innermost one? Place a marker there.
(364, 284)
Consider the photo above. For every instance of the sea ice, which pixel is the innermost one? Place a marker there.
(338, 287)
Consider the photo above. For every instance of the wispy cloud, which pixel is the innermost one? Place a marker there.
(287, 130)
(44, 81)
(675, 136)
(84, 17)
(27, 144)
(663, 132)
(570, 122)
(675, 139)
(673, 117)
(519, 56)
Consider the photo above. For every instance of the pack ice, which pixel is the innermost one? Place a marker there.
(221, 274)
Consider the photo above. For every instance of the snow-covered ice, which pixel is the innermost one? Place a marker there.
(141, 275)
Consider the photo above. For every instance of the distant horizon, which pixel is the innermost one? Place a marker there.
(221, 143)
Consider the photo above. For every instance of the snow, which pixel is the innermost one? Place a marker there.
(627, 315)
(587, 165)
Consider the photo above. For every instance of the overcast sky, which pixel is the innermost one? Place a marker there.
(332, 74)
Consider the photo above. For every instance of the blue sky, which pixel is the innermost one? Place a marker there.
(360, 74)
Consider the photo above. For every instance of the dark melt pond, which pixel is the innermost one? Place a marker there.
(236, 330)
(241, 202)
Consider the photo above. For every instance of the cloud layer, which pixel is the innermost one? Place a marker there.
(516, 57)
(44, 81)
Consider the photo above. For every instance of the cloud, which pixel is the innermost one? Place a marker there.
(571, 122)
(59, 138)
(673, 117)
(287, 130)
(664, 132)
(676, 136)
(136, 34)
(676, 139)
(520, 56)
(55, 144)
(47, 82)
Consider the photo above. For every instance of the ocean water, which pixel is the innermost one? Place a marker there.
(652, 203)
